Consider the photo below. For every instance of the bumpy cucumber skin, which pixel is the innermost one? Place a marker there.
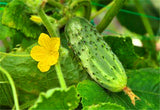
(96, 56)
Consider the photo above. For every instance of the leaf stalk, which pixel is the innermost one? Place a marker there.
(11, 82)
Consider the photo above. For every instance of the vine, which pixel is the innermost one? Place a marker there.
(117, 5)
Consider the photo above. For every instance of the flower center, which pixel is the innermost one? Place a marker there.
(51, 52)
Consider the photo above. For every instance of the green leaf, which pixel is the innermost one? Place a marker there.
(140, 51)
(91, 93)
(26, 42)
(16, 36)
(104, 106)
(143, 82)
(33, 5)
(30, 81)
(72, 70)
(123, 48)
(20, 68)
(56, 99)
(17, 15)
(4, 30)
(125, 51)
(147, 80)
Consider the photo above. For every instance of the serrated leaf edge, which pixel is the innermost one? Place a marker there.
(48, 94)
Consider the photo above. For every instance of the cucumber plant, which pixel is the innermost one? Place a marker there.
(19, 70)
(96, 56)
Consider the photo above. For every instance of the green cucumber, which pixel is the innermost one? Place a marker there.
(96, 56)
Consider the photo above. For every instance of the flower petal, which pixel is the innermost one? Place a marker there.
(38, 53)
(55, 43)
(44, 41)
(43, 67)
(36, 19)
(53, 59)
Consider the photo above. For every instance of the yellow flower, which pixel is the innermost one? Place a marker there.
(46, 53)
(36, 19)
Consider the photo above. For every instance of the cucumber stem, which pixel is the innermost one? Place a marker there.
(131, 95)
(110, 15)
(50, 28)
(75, 5)
(62, 21)
(102, 10)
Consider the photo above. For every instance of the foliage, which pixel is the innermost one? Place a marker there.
(52, 99)
(92, 93)
(16, 15)
(37, 90)
(129, 55)
(30, 81)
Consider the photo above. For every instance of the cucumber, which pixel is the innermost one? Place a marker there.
(95, 54)
(97, 57)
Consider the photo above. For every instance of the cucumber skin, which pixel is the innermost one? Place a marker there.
(96, 56)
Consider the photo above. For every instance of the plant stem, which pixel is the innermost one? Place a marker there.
(60, 76)
(144, 19)
(15, 97)
(50, 28)
(55, 4)
(102, 10)
(150, 43)
(53, 31)
(62, 21)
(76, 4)
(110, 15)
